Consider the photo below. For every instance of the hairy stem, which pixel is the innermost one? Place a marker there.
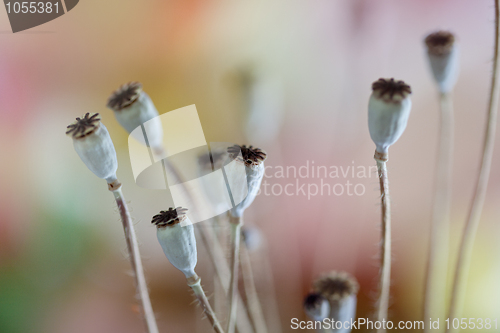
(437, 262)
(135, 261)
(236, 223)
(253, 302)
(469, 233)
(385, 272)
(195, 284)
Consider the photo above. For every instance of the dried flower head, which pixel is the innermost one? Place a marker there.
(388, 112)
(93, 144)
(443, 55)
(336, 286)
(252, 157)
(84, 126)
(133, 108)
(170, 217)
(316, 306)
(440, 43)
(178, 242)
(391, 90)
(124, 96)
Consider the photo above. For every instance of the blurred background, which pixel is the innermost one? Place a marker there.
(307, 64)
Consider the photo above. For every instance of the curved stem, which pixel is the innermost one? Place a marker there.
(236, 223)
(469, 233)
(385, 272)
(205, 304)
(437, 262)
(135, 261)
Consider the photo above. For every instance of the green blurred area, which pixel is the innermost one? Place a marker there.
(60, 247)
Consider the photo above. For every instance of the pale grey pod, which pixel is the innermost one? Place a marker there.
(178, 242)
(443, 55)
(132, 108)
(343, 310)
(340, 289)
(253, 159)
(93, 144)
(254, 179)
(316, 307)
(388, 112)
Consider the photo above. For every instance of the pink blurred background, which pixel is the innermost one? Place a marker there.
(62, 253)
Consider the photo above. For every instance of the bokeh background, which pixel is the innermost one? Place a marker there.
(62, 253)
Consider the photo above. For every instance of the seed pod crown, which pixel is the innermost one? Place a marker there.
(390, 90)
(336, 286)
(170, 217)
(124, 96)
(440, 43)
(252, 157)
(84, 126)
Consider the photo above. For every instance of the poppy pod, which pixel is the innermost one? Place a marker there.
(178, 243)
(340, 289)
(442, 51)
(94, 146)
(253, 159)
(388, 112)
(132, 108)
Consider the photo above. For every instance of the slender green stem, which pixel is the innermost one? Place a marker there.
(195, 284)
(469, 233)
(437, 262)
(254, 306)
(385, 271)
(135, 260)
(236, 223)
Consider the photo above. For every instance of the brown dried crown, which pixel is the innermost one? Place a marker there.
(336, 286)
(170, 217)
(124, 96)
(251, 156)
(391, 89)
(440, 43)
(84, 126)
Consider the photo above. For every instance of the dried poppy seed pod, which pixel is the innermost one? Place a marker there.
(132, 108)
(340, 289)
(178, 243)
(388, 111)
(316, 306)
(253, 159)
(94, 146)
(443, 56)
